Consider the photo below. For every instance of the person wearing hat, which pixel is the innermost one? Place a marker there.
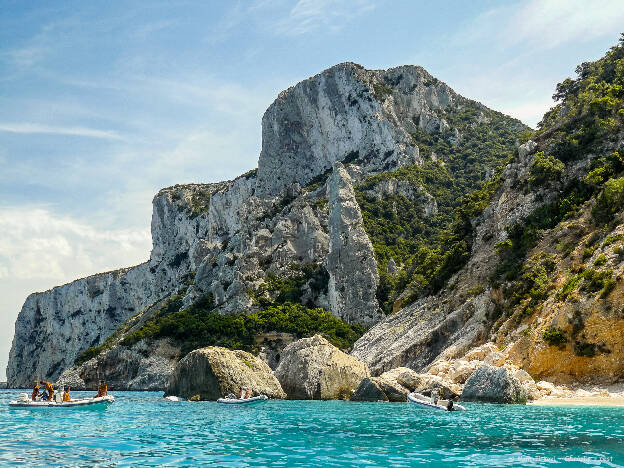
(66, 396)
(35, 392)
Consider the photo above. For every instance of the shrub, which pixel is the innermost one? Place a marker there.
(569, 286)
(282, 289)
(601, 260)
(584, 349)
(199, 326)
(589, 251)
(610, 201)
(381, 91)
(544, 169)
(476, 290)
(612, 239)
(555, 337)
(608, 285)
(89, 353)
(594, 281)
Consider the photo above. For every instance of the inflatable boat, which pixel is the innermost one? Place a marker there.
(425, 402)
(24, 401)
(232, 400)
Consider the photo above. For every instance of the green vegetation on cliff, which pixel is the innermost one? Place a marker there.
(580, 135)
(461, 173)
(198, 326)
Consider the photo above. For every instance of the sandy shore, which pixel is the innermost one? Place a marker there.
(582, 401)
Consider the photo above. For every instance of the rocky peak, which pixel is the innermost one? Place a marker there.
(348, 113)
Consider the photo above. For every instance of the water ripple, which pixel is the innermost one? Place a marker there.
(143, 429)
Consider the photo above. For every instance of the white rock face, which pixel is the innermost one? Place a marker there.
(347, 112)
(416, 335)
(351, 262)
(232, 235)
(55, 326)
(314, 369)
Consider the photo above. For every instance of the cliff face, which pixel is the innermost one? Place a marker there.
(543, 280)
(55, 326)
(233, 241)
(343, 111)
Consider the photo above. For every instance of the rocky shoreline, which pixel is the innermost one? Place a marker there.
(314, 369)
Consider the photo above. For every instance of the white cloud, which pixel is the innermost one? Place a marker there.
(309, 15)
(58, 130)
(545, 24)
(554, 22)
(36, 243)
(27, 56)
(40, 249)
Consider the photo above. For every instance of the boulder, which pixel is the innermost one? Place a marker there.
(369, 390)
(314, 369)
(495, 358)
(528, 383)
(443, 387)
(214, 372)
(523, 376)
(439, 367)
(393, 385)
(494, 385)
(461, 370)
(405, 377)
(479, 353)
(546, 388)
(143, 366)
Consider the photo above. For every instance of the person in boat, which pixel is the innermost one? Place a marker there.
(449, 405)
(49, 395)
(66, 396)
(35, 392)
(102, 389)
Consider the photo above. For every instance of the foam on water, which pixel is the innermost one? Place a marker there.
(144, 429)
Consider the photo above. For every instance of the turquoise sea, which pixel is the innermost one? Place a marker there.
(144, 429)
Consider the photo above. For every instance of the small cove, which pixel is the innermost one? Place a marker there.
(141, 428)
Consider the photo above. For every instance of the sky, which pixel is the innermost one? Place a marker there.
(104, 103)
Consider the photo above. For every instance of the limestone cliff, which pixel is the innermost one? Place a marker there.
(292, 230)
(55, 326)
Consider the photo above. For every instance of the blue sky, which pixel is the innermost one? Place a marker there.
(104, 103)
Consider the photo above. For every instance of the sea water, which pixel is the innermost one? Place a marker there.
(142, 428)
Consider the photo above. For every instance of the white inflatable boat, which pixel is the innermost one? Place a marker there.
(232, 400)
(425, 402)
(24, 401)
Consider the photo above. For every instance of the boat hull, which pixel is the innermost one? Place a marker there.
(418, 402)
(100, 402)
(239, 401)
